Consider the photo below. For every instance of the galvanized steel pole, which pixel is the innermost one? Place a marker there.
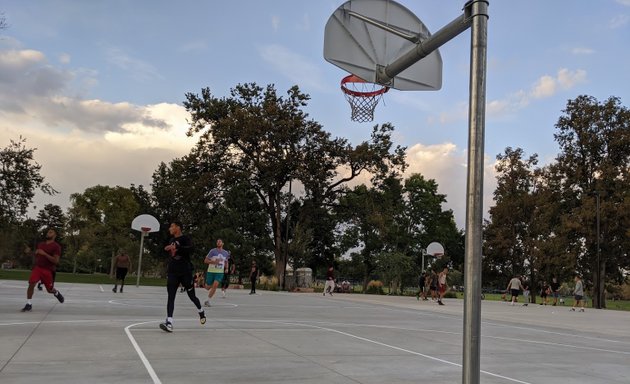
(471, 368)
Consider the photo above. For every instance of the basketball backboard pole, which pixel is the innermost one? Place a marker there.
(352, 46)
(471, 367)
(384, 74)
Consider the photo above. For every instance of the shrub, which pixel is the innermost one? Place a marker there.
(269, 283)
(450, 295)
(375, 287)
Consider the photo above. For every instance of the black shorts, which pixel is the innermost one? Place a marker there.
(514, 292)
(121, 273)
(226, 281)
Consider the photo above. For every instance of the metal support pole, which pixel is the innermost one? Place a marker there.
(142, 235)
(598, 283)
(471, 367)
(286, 239)
(422, 49)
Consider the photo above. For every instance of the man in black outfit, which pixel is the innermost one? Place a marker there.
(179, 271)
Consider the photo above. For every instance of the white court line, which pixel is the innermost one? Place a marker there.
(156, 379)
(145, 361)
(552, 332)
(410, 352)
(230, 305)
(460, 333)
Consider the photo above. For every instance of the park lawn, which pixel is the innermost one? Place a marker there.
(620, 305)
(67, 277)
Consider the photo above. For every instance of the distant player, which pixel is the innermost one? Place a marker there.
(329, 287)
(514, 287)
(578, 294)
(47, 258)
(123, 265)
(179, 271)
(228, 270)
(216, 260)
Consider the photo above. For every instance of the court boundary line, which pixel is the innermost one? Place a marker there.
(156, 379)
(143, 358)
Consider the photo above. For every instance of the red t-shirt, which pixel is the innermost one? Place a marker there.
(53, 248)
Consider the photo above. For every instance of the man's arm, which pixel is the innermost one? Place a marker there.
(52, 258)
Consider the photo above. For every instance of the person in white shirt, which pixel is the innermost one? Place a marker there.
(215, 259)
(514, 287)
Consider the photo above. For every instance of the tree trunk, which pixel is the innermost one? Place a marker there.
(277, 239)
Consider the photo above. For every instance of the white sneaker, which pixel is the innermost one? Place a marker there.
(206, 303)
(166, 326)
(223, 294)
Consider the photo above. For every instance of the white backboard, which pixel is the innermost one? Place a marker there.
(359, 47)
(145, 221)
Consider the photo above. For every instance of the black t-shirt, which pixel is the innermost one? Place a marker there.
(555, 286)
(422, 280)
(180, 261)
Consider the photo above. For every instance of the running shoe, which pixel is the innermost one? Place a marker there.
(202, 317)
(27, 308)
(59, 297)
(206, 303)
(39, 287)
(166, 326)
(114, 289)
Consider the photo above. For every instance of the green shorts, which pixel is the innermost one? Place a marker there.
(211, 277)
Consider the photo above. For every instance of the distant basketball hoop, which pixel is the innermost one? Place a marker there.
(362, 96)
(145, 229)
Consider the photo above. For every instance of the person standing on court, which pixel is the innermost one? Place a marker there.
(442, 284)
(578, 294)
(514, 287)
(230, 269)
(179, 270)
(421, 291)
(554, 287)
(216, 260)
(433, 285)
(330, 281)
(253, 276)
(47, 258)
(123, 265)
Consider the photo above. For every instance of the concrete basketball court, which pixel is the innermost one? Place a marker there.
(98, 336)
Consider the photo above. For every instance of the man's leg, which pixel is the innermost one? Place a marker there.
(213, 289)
(172, 283)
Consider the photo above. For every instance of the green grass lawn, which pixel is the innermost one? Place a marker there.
(622, 305)
(96, 278)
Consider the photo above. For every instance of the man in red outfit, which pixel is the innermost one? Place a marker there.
(46, 260)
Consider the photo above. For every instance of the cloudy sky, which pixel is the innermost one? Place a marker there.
(97, 86)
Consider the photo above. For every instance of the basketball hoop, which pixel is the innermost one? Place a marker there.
(145, 230)
(362, 96)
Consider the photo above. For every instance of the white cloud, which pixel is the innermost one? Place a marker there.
(619, 21)
(447, 165)
(582, 51)
(568, 79)
(194, 46)
(297, 68)
(624, 2)
(64, 58)
(83, 142)
(546, 86)
(305, 24)
(138, 69)
(275, 23)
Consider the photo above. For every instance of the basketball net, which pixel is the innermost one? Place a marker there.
(362, 96)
